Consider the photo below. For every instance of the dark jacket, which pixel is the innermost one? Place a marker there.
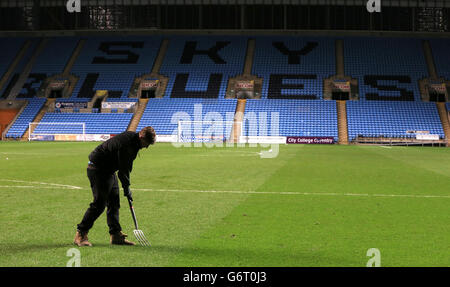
(117, 154)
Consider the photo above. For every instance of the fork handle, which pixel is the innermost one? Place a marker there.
(133, 214)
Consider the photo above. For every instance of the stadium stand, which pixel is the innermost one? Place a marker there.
(19, 127)
(390, 101)
(293, 70)
(10, 47)
(115, 72)
(20, 67)
(392, 119)
(163, 113)
(293, 67)
(440, 48)
(96, 123)
(200, 66)
(51, 61)
(296, 117)
(386, 69)
(112, 63)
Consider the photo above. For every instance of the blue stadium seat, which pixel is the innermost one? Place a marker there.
(96, 123)
(227, 61)
(163, 113)
(440, 48)
(392, 119)
(50, 61)
(313, 61)
(316, 118)
(387, 70)
(19, 127)
(395, 106)
(17, 44)
(10, 48)
(398, 64)
(55, 55)
(114, 70)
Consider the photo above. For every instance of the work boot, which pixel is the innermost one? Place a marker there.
(119, 239)
(81, 239)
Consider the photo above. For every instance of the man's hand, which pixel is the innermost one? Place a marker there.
(127, 193)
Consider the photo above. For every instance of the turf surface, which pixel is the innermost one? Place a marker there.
(311, 205)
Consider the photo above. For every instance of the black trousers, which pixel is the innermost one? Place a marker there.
(105, 189)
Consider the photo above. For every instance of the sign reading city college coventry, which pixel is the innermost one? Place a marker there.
(310, 140)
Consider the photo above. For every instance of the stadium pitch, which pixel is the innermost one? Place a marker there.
(311, 205)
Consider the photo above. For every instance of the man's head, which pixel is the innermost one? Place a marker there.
(147, 136)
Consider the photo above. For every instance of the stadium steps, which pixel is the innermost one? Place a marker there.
(238, 119)
(137, 115)
(342, 122)
(249, 57)
(15, 62)
(74, 57)
(246, 74)
(433, 74)
(429, 59)
(340, 58)
(39, 116)
(27, 70)
(160, 58)
(444, 120)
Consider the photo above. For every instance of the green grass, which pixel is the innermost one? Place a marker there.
(312, 205)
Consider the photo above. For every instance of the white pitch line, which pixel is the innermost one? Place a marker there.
(228, 155)
(32, 187)
(42, 183)
(294, 193)
(54, 186)
(22, 153)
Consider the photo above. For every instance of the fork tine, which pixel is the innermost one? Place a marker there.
(141, 237)
(137, 235)
(144, 239)
(146, 242)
